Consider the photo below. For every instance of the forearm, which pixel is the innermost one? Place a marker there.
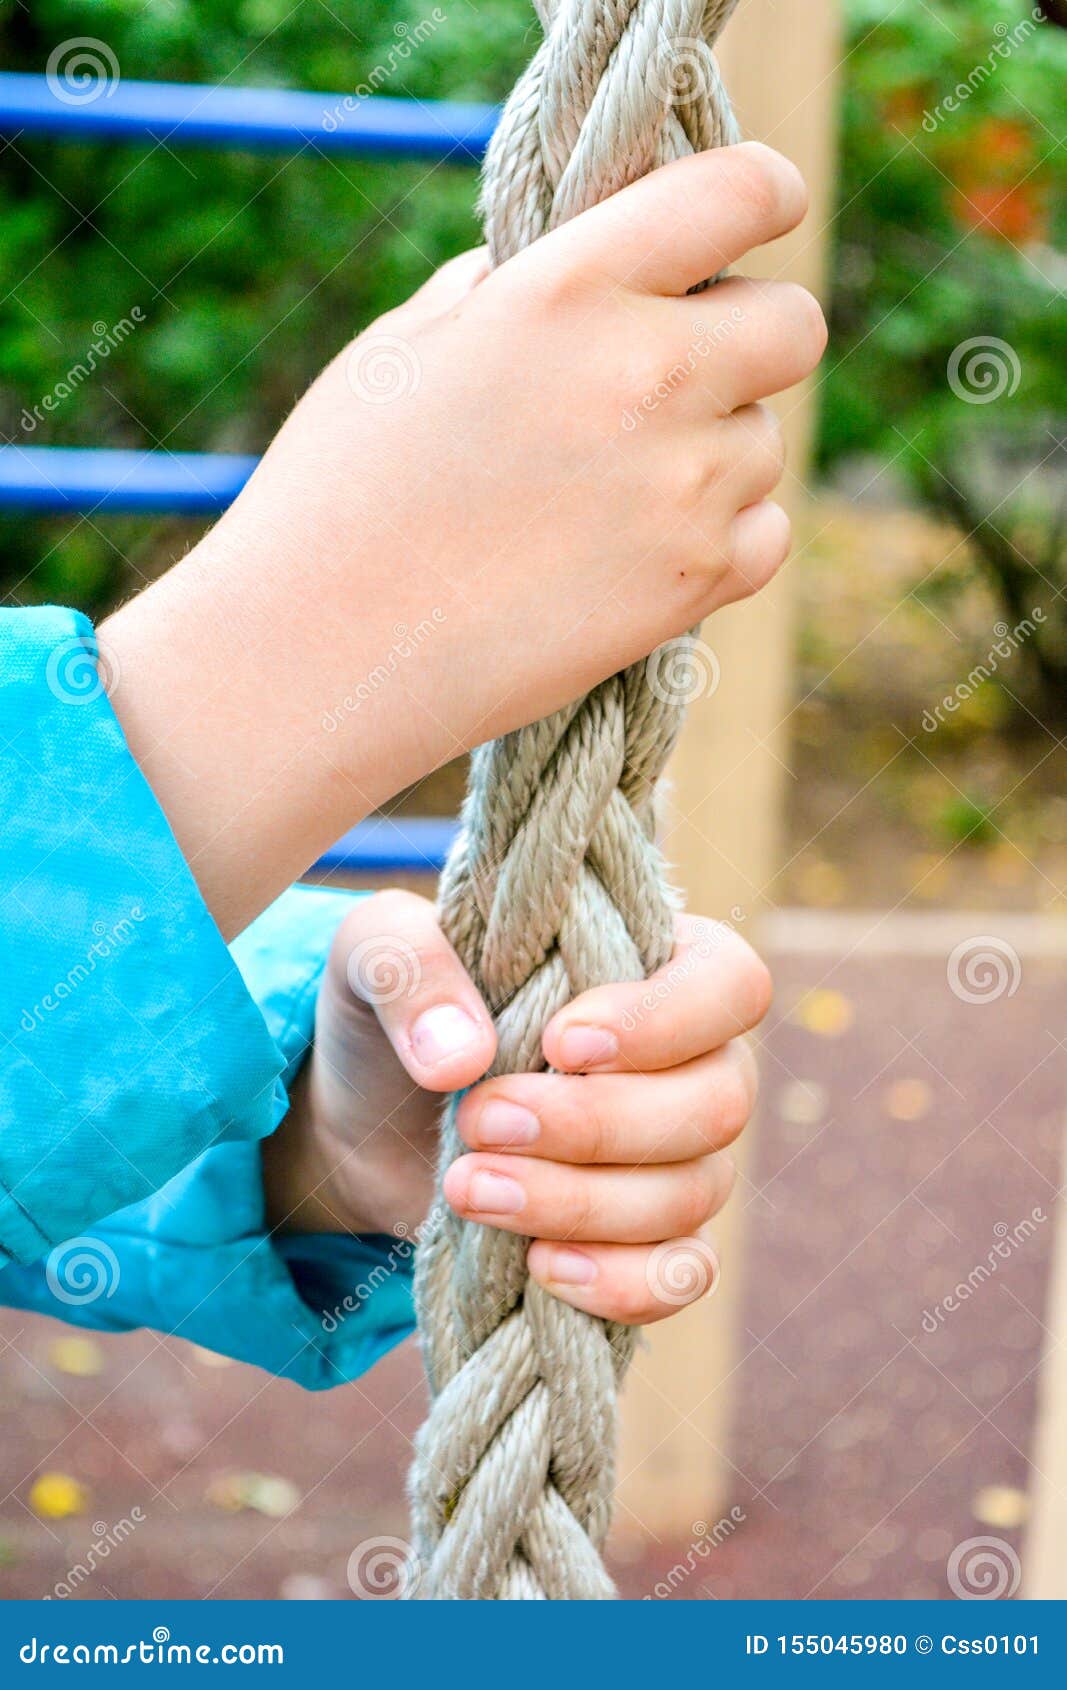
(231, 676)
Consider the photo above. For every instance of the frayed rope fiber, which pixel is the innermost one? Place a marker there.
(554, 885)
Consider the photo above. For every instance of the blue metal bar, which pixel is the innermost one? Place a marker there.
(254, 119)
(388, 845)
(71, 479)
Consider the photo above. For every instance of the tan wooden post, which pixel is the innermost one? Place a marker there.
(779, 61)
(1044, 1555)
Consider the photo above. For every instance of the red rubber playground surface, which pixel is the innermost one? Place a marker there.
(905, 1133)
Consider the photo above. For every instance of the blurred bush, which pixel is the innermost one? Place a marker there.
(250, 270)
(949, 330)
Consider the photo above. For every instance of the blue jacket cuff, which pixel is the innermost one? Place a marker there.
(131, 1041)
(195, 1260)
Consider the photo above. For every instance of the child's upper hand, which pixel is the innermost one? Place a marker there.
(612, 1164)
(506, 490)
(555, 466)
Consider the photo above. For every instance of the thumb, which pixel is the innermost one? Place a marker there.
(397, 961)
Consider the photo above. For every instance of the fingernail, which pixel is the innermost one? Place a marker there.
(585, 1047)
(571, 1267)
(441, 1032)
(507, 1123)
(495, 1194)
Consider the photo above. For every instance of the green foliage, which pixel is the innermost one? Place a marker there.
(250, 270)
(949, 329)
(967, 820)
(952, 204)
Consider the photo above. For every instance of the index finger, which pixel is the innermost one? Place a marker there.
(688, 220)
(713, 988)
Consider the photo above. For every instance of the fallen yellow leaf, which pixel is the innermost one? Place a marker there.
(827, 1013)
(1001, 1505)
(263, 1492)
(53, 1496)
(908, 1100)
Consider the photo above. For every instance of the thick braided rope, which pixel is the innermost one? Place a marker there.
(554, 886)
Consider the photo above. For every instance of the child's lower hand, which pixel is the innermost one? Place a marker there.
(505, 490)
(611, 1164)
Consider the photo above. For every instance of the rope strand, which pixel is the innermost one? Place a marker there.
(554, 885)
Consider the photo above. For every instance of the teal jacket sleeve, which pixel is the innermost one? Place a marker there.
(130, 1042)
(196, 1260)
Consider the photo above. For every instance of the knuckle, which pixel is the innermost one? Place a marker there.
(809, 324)
(776, 546)
(578, 1210)
(748, 1071)
(734, 1102)
(773, 441)
(748, 986)
(692, 473)
(758, 179)
(771, 183)
(694, 1202)
(755, 986)
(628, 1301)
(569, 1110)
(555, 278)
